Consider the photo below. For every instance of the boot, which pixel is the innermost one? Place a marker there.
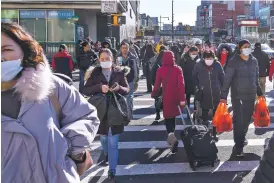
(173, 142)
(158, 116)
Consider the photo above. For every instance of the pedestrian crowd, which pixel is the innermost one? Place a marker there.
(48, 126)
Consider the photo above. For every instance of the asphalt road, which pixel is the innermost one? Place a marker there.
(144, 156)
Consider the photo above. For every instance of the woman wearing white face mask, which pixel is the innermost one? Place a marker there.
(101, 80)
(242, 75)
(187, 63)
(208, 77)
(40, 145)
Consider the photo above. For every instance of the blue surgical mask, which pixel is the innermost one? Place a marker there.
(246, 51)
(9, 69)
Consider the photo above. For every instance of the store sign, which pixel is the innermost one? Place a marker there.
(109, 6)
(32, 14)
(61, 14)
(9, 14)
(249, 22)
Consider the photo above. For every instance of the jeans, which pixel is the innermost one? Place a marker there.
(262, 83)
(110, 147)
(242, 113)
(130, 97)
(81, 82)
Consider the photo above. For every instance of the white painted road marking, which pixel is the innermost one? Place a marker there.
(163, 144)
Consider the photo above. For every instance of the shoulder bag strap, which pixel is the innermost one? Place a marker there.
(56, 105)
(166, 81)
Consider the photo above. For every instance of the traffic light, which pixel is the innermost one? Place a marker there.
(118, 20)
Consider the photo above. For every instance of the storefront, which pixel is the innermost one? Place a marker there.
(49, 27)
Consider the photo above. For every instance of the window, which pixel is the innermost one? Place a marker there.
(34, 21)
(9, 16)
(60, 26)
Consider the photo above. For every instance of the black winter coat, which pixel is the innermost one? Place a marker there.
(263, 62)
(265, 171)
(243, 78)
(94, 84)
(187, 65)
(211, 79)
(155, 67)
(87, 59)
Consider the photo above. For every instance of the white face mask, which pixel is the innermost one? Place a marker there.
(9, 69)
(106, 65)
(246, 51)
(193, 56)
(209, 62)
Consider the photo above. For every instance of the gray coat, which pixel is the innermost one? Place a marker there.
(211, 80)
(243, 78)
(36, 145)
(265, 171)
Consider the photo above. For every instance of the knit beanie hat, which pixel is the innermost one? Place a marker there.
(242, 42)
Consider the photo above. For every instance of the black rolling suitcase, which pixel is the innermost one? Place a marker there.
(199, 145)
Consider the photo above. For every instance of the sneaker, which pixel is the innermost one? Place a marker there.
(174, 148)
(111, 177)
(245, 142)
(240, 152)
(216, 138)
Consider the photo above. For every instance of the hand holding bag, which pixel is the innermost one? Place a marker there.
(118, 112)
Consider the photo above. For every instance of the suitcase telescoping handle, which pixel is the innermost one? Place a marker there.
(182, 117)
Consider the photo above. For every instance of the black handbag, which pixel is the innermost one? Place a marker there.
(160, 93)
(118, 112)
(99, 101)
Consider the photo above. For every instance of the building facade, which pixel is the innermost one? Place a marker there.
(56, 22)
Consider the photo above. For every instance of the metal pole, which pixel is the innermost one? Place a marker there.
(160, 22)
(172, 25)
(109, 22)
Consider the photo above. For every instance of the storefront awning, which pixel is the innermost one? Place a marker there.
(92, 5)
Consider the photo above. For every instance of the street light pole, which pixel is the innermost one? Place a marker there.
(109, 22)
(172, 23)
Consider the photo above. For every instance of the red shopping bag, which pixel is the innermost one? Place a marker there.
(261, 113)
(222, 120)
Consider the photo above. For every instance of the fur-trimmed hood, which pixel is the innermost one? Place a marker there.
(124, 69)
(35, 84)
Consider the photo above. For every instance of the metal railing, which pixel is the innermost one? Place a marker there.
(50, 49)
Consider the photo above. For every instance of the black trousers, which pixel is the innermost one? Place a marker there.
(242, 113)
(148, 78)
(170, 125)
(188, 96)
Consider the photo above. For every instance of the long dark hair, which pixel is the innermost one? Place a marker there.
(149, 52)
(33, 52)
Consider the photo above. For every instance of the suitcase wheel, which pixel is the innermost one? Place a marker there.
(212, 163)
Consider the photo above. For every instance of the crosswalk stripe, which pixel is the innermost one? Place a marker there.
(163, 144)
(151, 116)
(172, 168)
(178, 128)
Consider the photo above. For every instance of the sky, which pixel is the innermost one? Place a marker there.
(184, 10)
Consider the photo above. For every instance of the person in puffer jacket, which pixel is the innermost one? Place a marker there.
(107, 44)
(242, 75)
(265, 171)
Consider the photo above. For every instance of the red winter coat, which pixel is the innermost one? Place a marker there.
(174, 89)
